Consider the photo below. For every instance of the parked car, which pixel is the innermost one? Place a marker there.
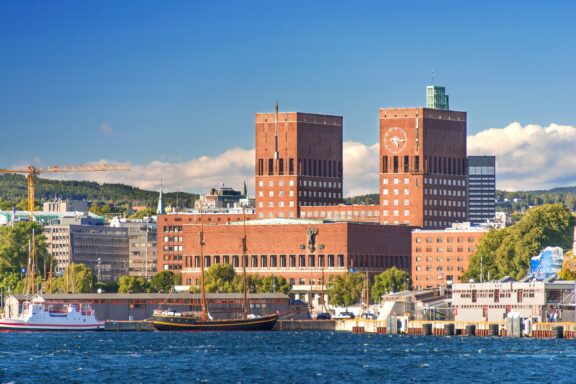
(369, 316)
(323, 316)
(344, 315)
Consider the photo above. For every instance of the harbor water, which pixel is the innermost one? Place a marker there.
(279, 357)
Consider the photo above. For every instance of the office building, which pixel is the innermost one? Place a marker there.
(481, 189)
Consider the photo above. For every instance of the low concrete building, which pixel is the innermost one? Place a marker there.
(141, 306)
(142, 259)
(492, 301)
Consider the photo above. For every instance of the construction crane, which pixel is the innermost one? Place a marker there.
(32, 171)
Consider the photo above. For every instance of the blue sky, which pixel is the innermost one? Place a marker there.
(172, 81)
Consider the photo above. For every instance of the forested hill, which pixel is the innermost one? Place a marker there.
(506, 201)
(13, 190)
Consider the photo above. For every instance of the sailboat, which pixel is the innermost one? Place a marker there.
(169, 320)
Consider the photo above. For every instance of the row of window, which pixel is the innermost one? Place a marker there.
(458, 239)
(172, 228)
(345, 215)
(444, 213)
(432, 164)
(304, 183)
(444, 192)
(439, 258)
(306, 167)
(265, 261)
(440, 268)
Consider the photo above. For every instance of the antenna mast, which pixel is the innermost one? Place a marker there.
(276, 130)
(202, 289)
(244, 277)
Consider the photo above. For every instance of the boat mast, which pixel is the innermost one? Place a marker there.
(244, 277)
(322, 288)
(202, 289)
(31, 261)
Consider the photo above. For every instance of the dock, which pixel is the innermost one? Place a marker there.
(129, 326)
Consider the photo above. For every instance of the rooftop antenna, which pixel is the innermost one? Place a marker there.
(432, 76)
(276, 130)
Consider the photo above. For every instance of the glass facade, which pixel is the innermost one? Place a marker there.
(481, 188)
(436, 97)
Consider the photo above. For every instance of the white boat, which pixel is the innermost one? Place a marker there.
(37, 315)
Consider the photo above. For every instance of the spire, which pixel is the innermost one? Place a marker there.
(160, 210)
(245, 189)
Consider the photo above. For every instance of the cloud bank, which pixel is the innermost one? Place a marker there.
(527, 157)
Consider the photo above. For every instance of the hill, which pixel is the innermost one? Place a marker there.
(13, 189)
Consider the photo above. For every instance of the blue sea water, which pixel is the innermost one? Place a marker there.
(279, 357)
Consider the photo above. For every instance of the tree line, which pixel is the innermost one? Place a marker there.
(109, 197)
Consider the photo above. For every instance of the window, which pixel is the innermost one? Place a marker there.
(331, 261)
(311, 261)
(283, 261)
(270, 167)
(254, 262)
(302, 261)
(340, 261)
(395, 164)
(235, 261)
(292, 261)
(263, 261)
(273, 263)
(260, 167)
(280, 166)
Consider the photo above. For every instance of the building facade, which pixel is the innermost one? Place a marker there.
(492, 301)
(142, 246)
(440, 257)
(423, 171)
(102, 248)
(481, 189)
(298, 162)
(302, 251)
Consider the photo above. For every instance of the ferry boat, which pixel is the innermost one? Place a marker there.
(36, 315)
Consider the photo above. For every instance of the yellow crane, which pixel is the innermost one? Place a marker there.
(32, 171)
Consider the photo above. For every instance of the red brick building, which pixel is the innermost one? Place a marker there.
(283, 247)
(298, 174)
(298, 162)
(440, 257)
(423, 168)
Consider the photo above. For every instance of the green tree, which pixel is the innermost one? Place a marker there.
(132, 284)
(221, 278)
(508, 251)
(274, 284)
(15, 246)
(164, 281)
(77, 278)
(346, 289)
(391, 280)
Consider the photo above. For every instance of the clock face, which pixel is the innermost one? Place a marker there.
(395, 139)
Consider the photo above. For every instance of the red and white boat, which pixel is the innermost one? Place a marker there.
(36, 315)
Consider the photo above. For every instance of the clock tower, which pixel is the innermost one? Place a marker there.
(423, 172)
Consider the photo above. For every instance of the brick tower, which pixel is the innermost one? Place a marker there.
(298, 162)
(422, 167)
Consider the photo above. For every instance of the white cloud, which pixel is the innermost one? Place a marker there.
(529, 157)
(361, 168)
(196, 175)
(106, 129)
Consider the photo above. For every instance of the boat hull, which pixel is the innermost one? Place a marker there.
(173, 323)
(31, 327)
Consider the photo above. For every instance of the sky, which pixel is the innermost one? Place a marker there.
(171, 87)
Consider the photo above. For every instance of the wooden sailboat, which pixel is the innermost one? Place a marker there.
(190, 321)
